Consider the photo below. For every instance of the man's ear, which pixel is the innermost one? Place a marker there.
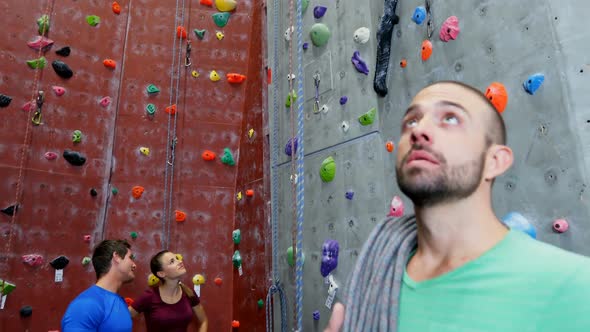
(499, 159)
(116, 258)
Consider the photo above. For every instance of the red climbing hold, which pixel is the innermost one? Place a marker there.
(498, 96)
(269, 76)
(129, 301)
(179, 216)
(426, 50)
(235, 324)
(403, 63)
(235, 78)
(171, 109)
(137, 191)
(59, 91)
(87, 238)
(109, 63)
(50, 155)
(218, 281)
(180, 32)
(28, 106)
(208, 155)
(389, 146)
(249, 192)
(206, 2)
(116, 8)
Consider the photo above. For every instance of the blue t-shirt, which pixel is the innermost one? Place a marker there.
(97, 309)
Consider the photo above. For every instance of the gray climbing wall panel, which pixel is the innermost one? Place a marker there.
(500, 41)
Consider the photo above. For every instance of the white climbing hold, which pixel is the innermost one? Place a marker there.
(290, 77)
(324, 109)
(345, 126)
(362, 35)
(289, 33)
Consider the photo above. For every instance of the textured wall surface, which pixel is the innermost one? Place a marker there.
(57, 210)
(503, 41)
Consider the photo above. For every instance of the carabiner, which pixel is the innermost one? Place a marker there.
(37, 115)
(187, 59)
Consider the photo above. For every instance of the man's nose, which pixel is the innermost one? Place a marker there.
(422, 133)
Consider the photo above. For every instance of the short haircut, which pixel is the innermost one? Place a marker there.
(103, 254)
(496, 128)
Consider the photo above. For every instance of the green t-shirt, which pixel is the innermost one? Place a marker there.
(520, 285)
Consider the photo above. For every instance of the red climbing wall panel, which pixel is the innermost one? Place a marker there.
(57, 209)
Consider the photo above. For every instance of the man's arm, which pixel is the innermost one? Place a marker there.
(337, 319)
(202, 317)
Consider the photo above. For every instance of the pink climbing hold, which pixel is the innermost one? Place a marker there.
(560, 225)
(33, 259)
(28, 106)
(59, 91)
(449, 29)
(40, 43)
(50, 155)
(106, 101)
(397, 207)
(87, 238)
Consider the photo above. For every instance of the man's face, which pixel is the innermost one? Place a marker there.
(441, 153)
(127, 267)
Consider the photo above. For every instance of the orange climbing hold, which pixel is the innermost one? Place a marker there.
(171, 109)
(426, 50)
(249, 192)
(181, 32)
(129, 301)
(269, 76)
(207, 2)
(235, 324)
(116, 8)
(235, 78)
(179, 215)
(498, 96)
(208, 155)
(110, 63)
(218, 281)
(403, 63)
(137, 191)
(389, 146)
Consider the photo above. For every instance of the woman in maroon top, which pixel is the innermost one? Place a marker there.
(170, 305)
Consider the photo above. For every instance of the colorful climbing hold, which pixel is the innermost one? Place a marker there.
(208, 155)
(40, 43)
(403, 63)
(235, 78)
(77, 136)
(180, 32)
(426, 50)
(37, 63)
(198, 279)
(62, 69)
(343, 100)
(227, 157)
(74, 158)
(150, 109)
(235, 324)
(237, 258)
(105, 101)
(449, 29)
(6, 287)
(305, 46)
(368, 118)
(236, 236)
(86, 260)
(179, 216)
(291, 257)
(320, 34)
(214, 76)
(291, 98)
(304, 5)
(419, 15)
(50, 155)
(328, 169)
(249, 192)
(359, 63)
(144, 151)
(171, 109)
(109, 63)
(533, 83)
(152, 280)
(60, 263)
(239, 196)
(219, 35)
(5, 100)
(225, 5)
(58, 90)
(133, 235)
(115, 190)
(93, 20)
(361, 35)
(195, 73)
(260, 303)
(11, 210)
(152, 89)
(137, 192)
(43, 24)
(116, 8)
(32, 259)
(517, 221)
(206, 2)
(218, 281)
(349, 195)
(26, 311)
(87, 238)
(200, 33)
(64, 51)
(396, 208)
(319, 11)
(498, 96)
(316, 315)
(221, 19)
(93, 192)
(330, 250)
(291, 146)
(560, 225)
(389, 146)
(250, 132)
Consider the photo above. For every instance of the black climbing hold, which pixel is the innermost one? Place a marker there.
(93, 192)
(62, 69)
(384, 34)
(74, 158)
(64, 51)
(11, 210)
(4, 100)
(59, 263)
(26, 311)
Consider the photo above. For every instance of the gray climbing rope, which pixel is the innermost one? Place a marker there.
(372, 303)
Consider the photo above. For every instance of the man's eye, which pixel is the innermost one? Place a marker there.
(451, 119)
(411, 123)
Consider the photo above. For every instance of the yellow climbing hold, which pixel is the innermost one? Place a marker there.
(195, 73)
(219, 35)
(250, 133)
(214, 76)
(225, 5)
(239, 196)
(153, 280)
(144, 151)
(179, 257)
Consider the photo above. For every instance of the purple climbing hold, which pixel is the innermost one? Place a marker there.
(290, 146)
(343, 100)
(349, 194)
(319, 11)
(305, 46)
(329, 257)
(359, 63)
(316, 315)
(62, 69)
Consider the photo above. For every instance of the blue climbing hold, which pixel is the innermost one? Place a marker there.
(533, 83)
(343, 100)
(517, 221)
(419, 15)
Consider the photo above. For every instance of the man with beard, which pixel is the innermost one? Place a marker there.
(455, 266)
(100, 308)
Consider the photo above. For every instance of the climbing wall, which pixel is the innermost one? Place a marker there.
(501, 41)
(144, 176)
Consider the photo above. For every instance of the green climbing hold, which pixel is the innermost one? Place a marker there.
(93, 20)
(200, 33)
(237, 259)
(115, 190)
(6, 287)
(320, 34)
(227, 157)
(151, 89)
(221, 19)
(86, 260)
(37, 63)
(291, 258)
(150, 109)
(368, 118)
(291, 98)
(133, 235)
(260, 304)
(77, 136)
(236, 236)
(43, 23)
(328, 169)
(304, 4)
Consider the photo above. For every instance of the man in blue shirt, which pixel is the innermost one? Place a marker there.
(100, 308)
